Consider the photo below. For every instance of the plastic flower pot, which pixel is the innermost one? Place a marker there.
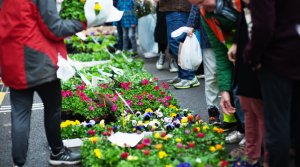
(66, 115)
(97, 119)
(69, 48)
(79, 117)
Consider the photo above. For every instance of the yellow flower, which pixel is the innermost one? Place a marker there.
(140, 123)
(77, 122)
(63, 125)
(205, 127)
(82, 0)
(165, 138)
(168, 165)
(198, 129)
(102, 123)
(178, 140)
(212, 148)
(176, 109)
(97, 6)
(156, 135)
(93, 138)
(147, 122)
(220, 130)
(173, 115)
(130, 158)
(183, 120)
(159, 146)
(148, 110)
(153, 127)
(162, 154)
(171, 106)
(72, 123)
(216, 129)
(133, 129)
(98, 153)
(135, 158)
(219, 146)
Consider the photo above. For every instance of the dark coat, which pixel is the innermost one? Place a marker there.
(175, 6)
(195, 22)
(160, 32)
(244, 77)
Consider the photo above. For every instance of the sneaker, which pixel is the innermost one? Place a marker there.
(174, 81)
(242, 142)
(214, 116)
(183, 84)
(118, 52)
(234, 137)
(161, 61)
(228, 126)
(172, 66)
(20, 165)
(151, 55)
(134, 55)
(65, 157)
(201, 76)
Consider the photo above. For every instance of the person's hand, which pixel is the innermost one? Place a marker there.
(191, 32)
(133, 26)
(232, 52)
(246, 1)
(225, 104)
(156, 0)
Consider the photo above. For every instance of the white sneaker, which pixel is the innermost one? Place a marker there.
(234, 137)
(130, 50)
(150, 55)
(243, 142)
(172, 66)
(200, 76)
(118, 52)
(161, 61)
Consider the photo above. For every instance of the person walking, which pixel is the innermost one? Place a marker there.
(274, 52)
(177, 14)
(29, 54)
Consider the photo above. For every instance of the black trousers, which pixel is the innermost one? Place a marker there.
(281, 98)
(21, 103)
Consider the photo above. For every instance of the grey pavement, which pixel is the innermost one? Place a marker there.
(38, 152)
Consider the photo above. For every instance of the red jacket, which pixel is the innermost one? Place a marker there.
(31, 35)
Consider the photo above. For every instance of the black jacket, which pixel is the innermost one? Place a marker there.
(244, 77)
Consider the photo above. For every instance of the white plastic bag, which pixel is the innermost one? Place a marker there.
(65, 70)
(146, 27)
(191, 56)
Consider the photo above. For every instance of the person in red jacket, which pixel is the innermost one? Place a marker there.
(31, 39)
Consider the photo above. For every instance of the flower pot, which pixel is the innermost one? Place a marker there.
(66, 115)
(97, 119)
(79, 117)
(108, 118)
(69, 48)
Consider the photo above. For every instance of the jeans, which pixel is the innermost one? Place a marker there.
(129, 36)
(240, 113)
(176, 20)
(281, 109)
(21, 103)
(120, 36)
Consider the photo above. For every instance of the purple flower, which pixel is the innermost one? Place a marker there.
(92, 33)
(113, 34)
(169, 126)
(187, 132)
(187, 164)
(129, 111)
(137, 113)
(140, 103)
(159, 99)
(147, 116)
(91, 123)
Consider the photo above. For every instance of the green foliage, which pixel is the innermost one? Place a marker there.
(143, 8)
(72, 9)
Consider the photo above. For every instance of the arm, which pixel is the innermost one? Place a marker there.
(262, 31)
(224, 66)
(194, 17)
(51, 24)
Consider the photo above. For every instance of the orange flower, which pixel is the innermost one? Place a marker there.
(190, 117)
(159, 146)
(212, 118)
(219, 146)
(220, 130)
(82, 0)
(215, 129)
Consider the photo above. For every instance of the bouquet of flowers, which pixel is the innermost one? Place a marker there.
(143, 8)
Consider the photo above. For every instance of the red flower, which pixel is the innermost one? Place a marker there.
(124, 155)
(92, 132)
(197, 117)
(212, 118)
(95, 141)
(110, 128)
(145, 93)
(224, 163)
(147, 152)
(192, 144)
(139, 132)
(162, 93)
(134, 96)
(163, 134)
(108, 133)
(201, 135)
(156, 88)
(108, 95)
(195, 130)
(140, 146)
(104, 133)
(115, 94)
(155, 79)
(145, 82)
(129, 83)
(186, 147)
(122, 93)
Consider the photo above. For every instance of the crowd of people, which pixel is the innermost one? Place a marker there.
(250, 56)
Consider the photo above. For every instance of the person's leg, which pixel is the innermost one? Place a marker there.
(239, 112)
(258, 108)
(176, 20)
(50, 94)
(277, 96)
(21, 103)
(161, 60)
(125, 38)
(120, 36)
(132, 38)
(253, 133)
(162, 48)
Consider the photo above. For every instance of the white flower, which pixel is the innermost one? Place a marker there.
(159, 114)
(169, 136)
(185, 110)
(133, 122)
(83, 123)
(198, 160)
(190, 114)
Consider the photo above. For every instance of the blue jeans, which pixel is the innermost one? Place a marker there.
(176, 20)
(240, 113)
(120, 36)
(129, 36)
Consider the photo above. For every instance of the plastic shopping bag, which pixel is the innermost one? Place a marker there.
(65, 70)
(146, 27)
(190, 51)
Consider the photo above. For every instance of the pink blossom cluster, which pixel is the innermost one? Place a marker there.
(145, 82)
(165, 85)
(126, 85)
(114, 108)
(67, 93)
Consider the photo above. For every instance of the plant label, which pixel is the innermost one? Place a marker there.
(131, 140)
(108, 102)
(81, 36)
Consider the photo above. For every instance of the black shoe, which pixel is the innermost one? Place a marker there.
(214, 116)
(228, 126)
(65, 157)
(134, 55)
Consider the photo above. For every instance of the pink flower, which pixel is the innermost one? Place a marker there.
(129, 83)
(162, 93)
(155, 79)
(114, 108)
(127, 87)
(81, 94)
(156, 88)
(159, 99)
(91, 108)
(82, 87)
(105, 86)
(140, 97)
(101, 104)
(168, 97)
(140, 103)
(146, 142)
(83, 83)
(201, 135)
(167, 87)
(163, 84)
(164, 101)
(166, 104)
(145, 82)
(150, 97)
(129, 102)
(108, 95)
(187, 132)
(77, 87)
(179, 145)
(123, 84)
